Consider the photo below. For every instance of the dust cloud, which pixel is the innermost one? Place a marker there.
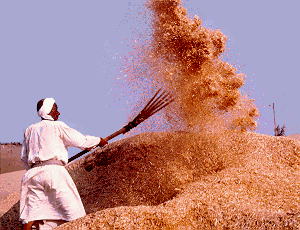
(187, 59)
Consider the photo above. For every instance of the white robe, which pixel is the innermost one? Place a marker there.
(48, 192)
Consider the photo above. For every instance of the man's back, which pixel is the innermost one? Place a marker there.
(44, 141)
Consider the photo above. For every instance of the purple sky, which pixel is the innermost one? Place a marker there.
(69, 50)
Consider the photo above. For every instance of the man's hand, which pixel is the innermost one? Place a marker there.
(101, 144)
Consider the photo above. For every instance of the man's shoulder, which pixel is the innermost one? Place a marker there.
(34, 125)
(47, 123)
(60, 123)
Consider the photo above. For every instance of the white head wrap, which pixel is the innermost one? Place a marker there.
(46, 108)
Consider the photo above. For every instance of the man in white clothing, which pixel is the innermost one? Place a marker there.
(48, 193)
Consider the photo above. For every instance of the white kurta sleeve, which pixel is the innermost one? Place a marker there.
(73, 138)
(24, 152)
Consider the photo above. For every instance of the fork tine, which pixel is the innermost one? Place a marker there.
(161, 107)
(154, 108)
(158, 101)
(150, 101)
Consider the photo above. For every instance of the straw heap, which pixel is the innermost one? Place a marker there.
(162, 180)
(236, 180)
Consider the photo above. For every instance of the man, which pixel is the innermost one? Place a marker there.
(48, 193)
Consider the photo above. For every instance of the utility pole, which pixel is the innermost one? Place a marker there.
(274, 120)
